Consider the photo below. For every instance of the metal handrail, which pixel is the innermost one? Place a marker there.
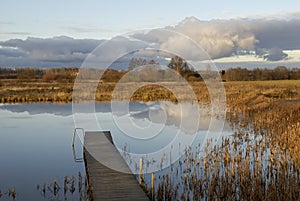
(73, 145)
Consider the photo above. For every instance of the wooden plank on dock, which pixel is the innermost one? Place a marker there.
(108, 184)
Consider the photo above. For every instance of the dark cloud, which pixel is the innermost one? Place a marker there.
(56, 51)
(277, 33)
(12, 52)
(221, 38)
(266, 36)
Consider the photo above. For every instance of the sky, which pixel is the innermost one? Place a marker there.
(99, 19)
(54, 33)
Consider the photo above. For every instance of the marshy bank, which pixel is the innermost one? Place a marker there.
(259, 161)
(252, 87)
(239, 94)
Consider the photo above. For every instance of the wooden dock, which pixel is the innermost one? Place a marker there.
(105, 183)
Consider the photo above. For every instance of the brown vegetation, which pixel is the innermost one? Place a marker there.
(278, 73)
(67, 188)
(243, 167)
(261, 161)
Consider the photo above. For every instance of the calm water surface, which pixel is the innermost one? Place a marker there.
(35, 146)
(35, 150)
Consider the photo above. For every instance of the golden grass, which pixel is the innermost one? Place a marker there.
(269, 111)
(250, 93)
(259, 162)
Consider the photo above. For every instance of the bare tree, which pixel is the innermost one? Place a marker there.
(179, 65)
(134, 63)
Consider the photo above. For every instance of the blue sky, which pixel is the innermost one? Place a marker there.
(104, 19)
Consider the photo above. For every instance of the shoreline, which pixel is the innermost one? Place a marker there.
(249, 94)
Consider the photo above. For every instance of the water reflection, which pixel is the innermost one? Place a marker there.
(153, 130)
(35, 141)
(176, 113)
(39, 108)
(35, 148)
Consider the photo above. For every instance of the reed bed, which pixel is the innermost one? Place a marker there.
(233, 171)
(10, 193)
(68, 188)
(243, 167)
(259, 161)
(251, 93)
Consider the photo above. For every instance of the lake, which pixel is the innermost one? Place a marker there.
(35, 150)
(37, 160)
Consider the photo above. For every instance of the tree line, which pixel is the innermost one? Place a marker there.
(176, 63)
(278, 73)
(51, 74)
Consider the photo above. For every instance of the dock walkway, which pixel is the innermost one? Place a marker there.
(105, 183)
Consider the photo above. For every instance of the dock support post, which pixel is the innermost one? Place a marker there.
(141, 171)
(152, 186)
